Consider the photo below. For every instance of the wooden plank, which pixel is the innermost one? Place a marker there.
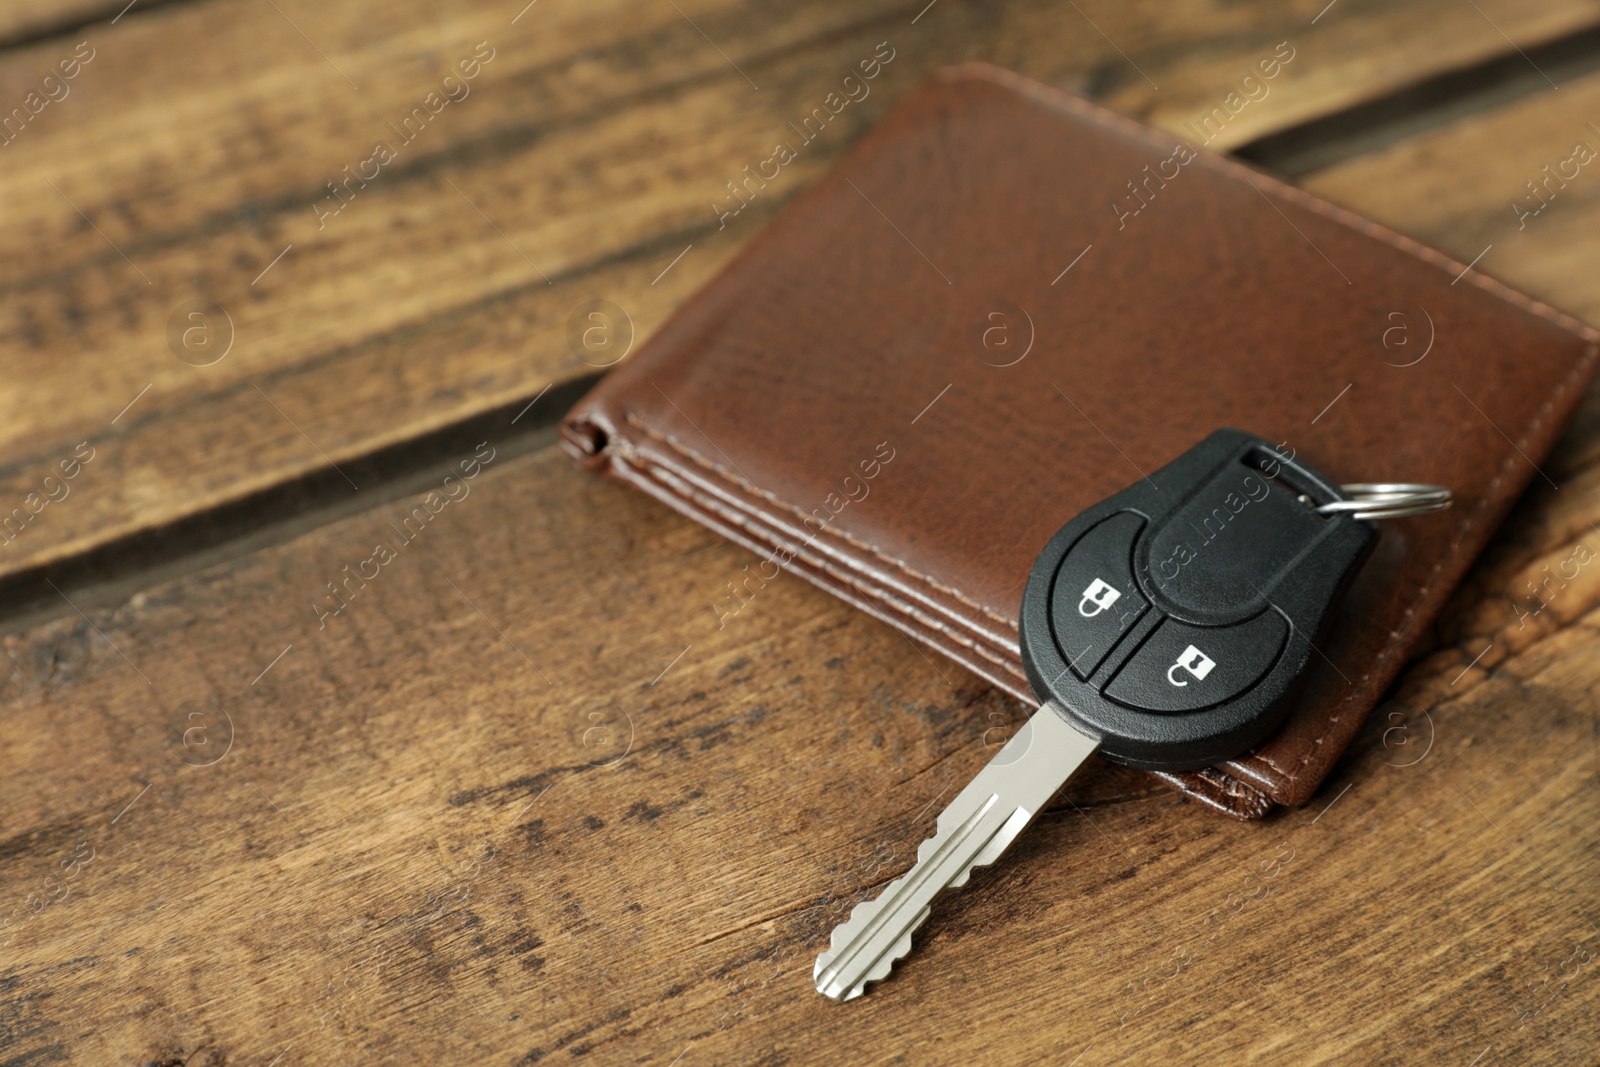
(522, 801)
(1369, 40)
(1542, 239)
(587, 153)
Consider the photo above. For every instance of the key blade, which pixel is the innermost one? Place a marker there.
(974, 830)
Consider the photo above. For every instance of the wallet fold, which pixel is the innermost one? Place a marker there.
(1005, 304)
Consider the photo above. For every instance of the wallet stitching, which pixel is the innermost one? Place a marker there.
(672, 442)
(1483, 502)
(709, 504)
(1310, 201)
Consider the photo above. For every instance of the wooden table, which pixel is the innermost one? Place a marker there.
(522, 801)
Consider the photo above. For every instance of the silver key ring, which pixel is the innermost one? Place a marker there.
(1371, 501)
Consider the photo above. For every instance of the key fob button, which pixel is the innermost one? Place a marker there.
(1188, 668)
(1096, 600)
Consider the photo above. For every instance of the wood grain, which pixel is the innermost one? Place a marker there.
(583, 161)
(1544, 239)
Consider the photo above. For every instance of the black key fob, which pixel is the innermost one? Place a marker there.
(1174, 619)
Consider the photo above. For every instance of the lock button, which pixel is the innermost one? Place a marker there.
(1096, 600)
(1187, 668)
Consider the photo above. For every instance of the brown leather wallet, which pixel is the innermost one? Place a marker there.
(1005, 304)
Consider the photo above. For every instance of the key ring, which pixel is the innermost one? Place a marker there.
(1388, 500)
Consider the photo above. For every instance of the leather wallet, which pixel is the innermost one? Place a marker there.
(1006, 303)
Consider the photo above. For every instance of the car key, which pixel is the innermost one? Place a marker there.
(1166, 628)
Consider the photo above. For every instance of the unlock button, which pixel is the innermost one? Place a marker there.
(1095, 599)
(1187, 668)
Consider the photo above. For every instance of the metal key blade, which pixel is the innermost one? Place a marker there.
(973, 830)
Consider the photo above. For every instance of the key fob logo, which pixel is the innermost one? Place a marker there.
(1096, 598)
(1195, 662)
